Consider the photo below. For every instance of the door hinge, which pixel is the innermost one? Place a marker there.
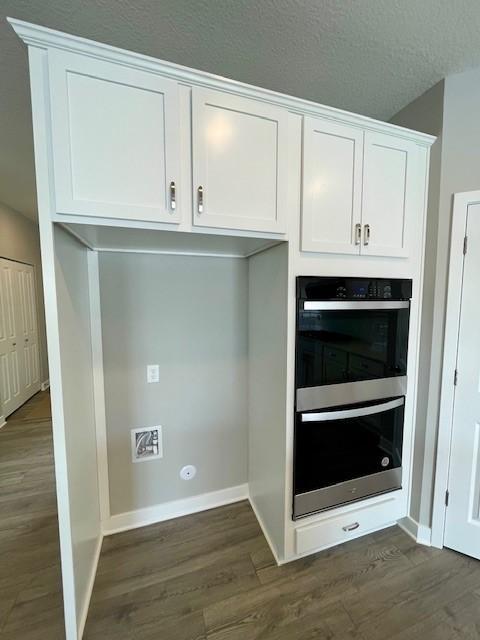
(465, 245)
(447, 497)
(455, 377)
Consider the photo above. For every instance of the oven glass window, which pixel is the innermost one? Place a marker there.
(336, 346)
(332, 451)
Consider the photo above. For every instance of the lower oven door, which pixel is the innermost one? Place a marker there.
(347, 454)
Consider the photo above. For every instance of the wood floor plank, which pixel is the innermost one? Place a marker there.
(416, 553)
(30, 581)
(388, 606)
(179, 597)
(453, 620)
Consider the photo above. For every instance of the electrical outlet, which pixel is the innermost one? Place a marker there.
(153, 373)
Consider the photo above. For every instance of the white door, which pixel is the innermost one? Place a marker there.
(240, 162)
(462, 527)
(29, 334)
(332, 187)
(390, 180)
(19, 355)
(115, 140)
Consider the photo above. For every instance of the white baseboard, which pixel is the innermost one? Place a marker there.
(45, 385)
(273, 548)
(174, 509)
(86, 605)
(419, 532)
(424, 535)
(3, 421)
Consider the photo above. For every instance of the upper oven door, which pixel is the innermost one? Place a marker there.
(351, 341)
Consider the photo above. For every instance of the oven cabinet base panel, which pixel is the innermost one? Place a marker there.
(336, 529)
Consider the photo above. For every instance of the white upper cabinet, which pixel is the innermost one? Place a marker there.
(240, 157)
(332, 187)
(115, 140)
(359, 192)
(390, 180)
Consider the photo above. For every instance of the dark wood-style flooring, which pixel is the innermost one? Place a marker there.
(30, 583)
(211, 576)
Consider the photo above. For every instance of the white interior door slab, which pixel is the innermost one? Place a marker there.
(9, 341)
(29, 333)
(462, 525)
(19, 355)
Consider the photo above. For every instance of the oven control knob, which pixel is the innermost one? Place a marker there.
(385, 461)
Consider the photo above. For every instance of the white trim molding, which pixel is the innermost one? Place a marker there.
(461, 203)
(174, 509)
(98, 385)
(3, 421)
(419, 532)
(91, 582)
(42, 37)
(43, 163)
(264, 529)
(45, 385)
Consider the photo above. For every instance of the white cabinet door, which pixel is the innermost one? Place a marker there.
(390, 173)
(332, 187)
(240, 167)
(115, 139)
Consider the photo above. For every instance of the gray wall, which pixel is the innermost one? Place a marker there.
(189, 315)
(19, 240)
(456, 168)
(71, 277)
(426, 114)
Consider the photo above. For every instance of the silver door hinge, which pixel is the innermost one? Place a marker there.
(447, 497)
(465, 245)
(455, 378)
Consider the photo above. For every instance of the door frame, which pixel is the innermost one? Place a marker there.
(461, 202)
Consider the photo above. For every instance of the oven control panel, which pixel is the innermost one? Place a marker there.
(320, 288)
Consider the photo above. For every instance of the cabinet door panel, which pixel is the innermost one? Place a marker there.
(389, 193)
(332, 186)
(115, 139)
(240, 161)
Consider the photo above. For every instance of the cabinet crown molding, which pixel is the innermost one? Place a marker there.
(44, 38)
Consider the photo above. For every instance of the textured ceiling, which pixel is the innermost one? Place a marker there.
(367, 56)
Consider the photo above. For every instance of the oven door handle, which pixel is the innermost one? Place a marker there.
(352, 413)
(351, 305)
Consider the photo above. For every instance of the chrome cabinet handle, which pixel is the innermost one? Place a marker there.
(173, 196)
(351, 527)
(200, 199)
(358, 233)
(366, 234)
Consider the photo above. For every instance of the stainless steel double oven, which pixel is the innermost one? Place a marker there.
(351, 379)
